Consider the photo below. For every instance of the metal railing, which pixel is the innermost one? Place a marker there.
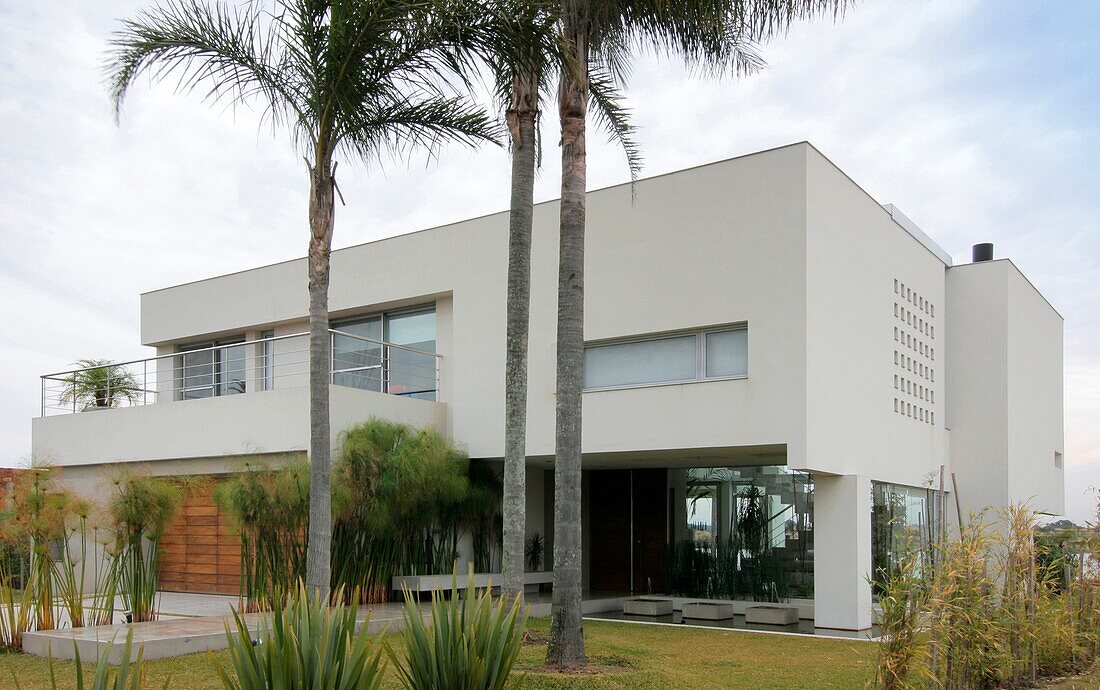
(242, 367)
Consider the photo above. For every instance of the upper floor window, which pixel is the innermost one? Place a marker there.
(404, 364)
(698, 356)
(205, 370)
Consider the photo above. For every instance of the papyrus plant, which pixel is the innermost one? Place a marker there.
(141, 509)
(269, 508)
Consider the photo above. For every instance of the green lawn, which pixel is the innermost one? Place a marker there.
(627, 656)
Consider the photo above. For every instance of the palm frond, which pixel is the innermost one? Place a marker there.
(228, 52)
(401, 125)
(612, 115)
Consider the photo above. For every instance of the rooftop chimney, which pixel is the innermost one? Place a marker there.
(983, 252)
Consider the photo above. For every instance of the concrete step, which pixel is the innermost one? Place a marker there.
(173, 637)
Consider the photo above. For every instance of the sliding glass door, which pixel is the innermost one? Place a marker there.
(207, 370)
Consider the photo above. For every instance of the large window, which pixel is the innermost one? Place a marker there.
(206, 370)
(903, 525)
(741, 533)
(360, 360)
(699, 356)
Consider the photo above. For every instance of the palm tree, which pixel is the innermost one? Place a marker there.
(523, 66)
(357, 77)
(99, 383)
(717, 35)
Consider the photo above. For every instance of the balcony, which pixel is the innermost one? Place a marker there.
(240, 398)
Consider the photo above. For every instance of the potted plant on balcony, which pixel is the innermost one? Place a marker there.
(99, 384)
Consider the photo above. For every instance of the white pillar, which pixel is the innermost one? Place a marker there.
(842, 552)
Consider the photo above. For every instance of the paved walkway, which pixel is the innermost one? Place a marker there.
(196, 623)
(177, 633)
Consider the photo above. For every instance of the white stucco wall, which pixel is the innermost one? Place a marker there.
(855, 253)
(1005, 400)
(254, 423)
(714, 245)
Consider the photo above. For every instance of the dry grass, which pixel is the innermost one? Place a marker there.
(637, 657)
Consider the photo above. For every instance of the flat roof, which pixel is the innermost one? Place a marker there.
(900, 218)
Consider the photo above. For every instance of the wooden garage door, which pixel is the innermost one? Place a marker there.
(200, 552)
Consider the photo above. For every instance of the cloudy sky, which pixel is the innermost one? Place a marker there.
(977, 118)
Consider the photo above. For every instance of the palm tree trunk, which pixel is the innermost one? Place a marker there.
(566, 647)
(522, 117)
(321, 212)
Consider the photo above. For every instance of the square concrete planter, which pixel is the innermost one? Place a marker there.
(647, 606)
(708, 611)
(771, 615)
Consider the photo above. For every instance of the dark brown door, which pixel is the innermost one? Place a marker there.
(618, 500)
(650, 530)
(609, 530)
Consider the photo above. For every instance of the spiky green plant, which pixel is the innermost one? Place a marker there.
(470, 642)
(130, 674)
(304, 645)
(141, 508)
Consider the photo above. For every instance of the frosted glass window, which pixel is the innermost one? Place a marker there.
(645, 361)
(727, 353)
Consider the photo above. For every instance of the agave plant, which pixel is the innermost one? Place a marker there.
(98, 383)
(469, 643)
(304, 645)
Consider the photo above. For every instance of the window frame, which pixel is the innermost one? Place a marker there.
(383, 365)
(217, 350)
(700, 335)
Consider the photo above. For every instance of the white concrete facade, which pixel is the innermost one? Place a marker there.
(870, 358)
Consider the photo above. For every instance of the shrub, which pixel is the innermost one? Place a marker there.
(303, 645)
(469, 643)
(402, 499)
(991, 613)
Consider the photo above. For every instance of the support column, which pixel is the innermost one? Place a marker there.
(842, 552)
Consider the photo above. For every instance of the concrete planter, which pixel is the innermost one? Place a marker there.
(647, 606)
(708, 611)
(771, 615)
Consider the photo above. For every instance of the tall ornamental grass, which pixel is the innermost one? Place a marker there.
(141, 508)
(270, 511)
(403, 498)
(995, 611)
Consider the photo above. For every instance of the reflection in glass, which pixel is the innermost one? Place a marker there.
(206, 370)
(903, 523)
(409, 373)
(742, 533)
(355, 362)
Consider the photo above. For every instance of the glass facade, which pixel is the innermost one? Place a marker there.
(903, 522)
(741, 533)
(202, 372)
(360, 360)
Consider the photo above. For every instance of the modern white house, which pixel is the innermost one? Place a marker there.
(765, 340)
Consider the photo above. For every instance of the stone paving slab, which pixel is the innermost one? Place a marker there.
(173, 636)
